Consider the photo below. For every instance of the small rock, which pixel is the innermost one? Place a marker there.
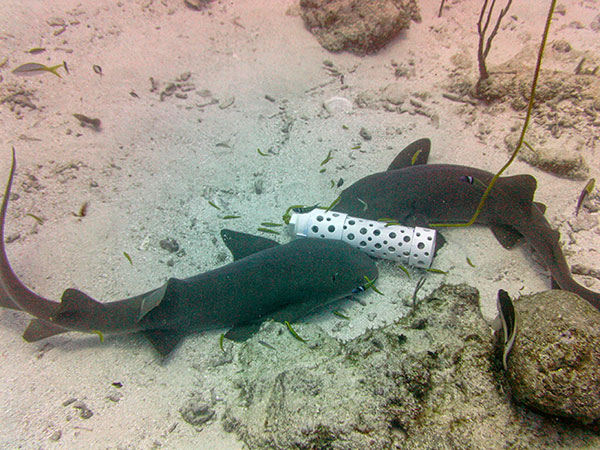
(169, 244)
(197, 4)
(555, 360)
(196, 412)
(56, 22)
(365, 134)
(337, 105)
(84, 411)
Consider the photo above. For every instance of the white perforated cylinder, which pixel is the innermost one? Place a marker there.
(413, 246)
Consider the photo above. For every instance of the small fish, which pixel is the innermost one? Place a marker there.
(36, 50)
(345, 127)
(37, 68)
(230, 217)
(133, 94)
(37, 219)
(356, 147)
(267, 230)
(261, 153)
(386, 219)
(100, 335)
(339, 314)
(271, 224)
(86, 121)
(221, 338)
(362, 202)
(327, 159)
(126, 255)
(66, 67)
(97, 69)
(213, 205)
(508, 319)
(432, 270)
(82, 211)
(335, 202)
(469, 262)
(415, 156)
(404, 269)
(266, 344)
(332, 184)
(371, 284)
(391, 224)
(322, 170)
(587, 190)
(287, 324)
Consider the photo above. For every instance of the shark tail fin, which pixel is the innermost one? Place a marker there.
(40, 329)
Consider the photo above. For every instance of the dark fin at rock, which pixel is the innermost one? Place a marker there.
(520, 187)
(414, 154)
(243, 332)
(6, 301)
(41, 329)
(506, 235)
(242, 244)
(76, 303)
(554, 284)
(164, 341)
(540, 206)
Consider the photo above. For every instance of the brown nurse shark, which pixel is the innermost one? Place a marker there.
(414, 192)
(266, 280)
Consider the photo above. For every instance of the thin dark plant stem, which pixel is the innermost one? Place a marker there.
(534, 83)
(484, 46)
(441, 8)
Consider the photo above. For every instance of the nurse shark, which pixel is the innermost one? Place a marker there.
(416, 193)
(266, 281)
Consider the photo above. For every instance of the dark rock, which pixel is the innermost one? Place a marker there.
(169, 244)
(554, 365)
(359, 27)
(196, 412)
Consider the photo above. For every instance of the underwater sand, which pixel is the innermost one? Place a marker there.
(152, 169)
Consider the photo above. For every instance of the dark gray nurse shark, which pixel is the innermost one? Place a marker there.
(266, 281)
(416, 193)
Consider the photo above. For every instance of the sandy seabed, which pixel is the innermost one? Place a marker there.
(245, 75)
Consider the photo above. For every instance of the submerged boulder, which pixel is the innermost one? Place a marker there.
(554, 365)
(358, 26)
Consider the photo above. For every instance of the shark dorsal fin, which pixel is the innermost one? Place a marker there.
(414, 154)
(521, 188)
(242, 244)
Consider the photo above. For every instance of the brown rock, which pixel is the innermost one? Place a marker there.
(359, 27)
(554, 365)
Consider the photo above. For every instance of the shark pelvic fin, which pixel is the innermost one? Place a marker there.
(416, 153)
(242, 244)
(41, 329)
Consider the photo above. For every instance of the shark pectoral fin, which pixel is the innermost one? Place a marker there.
(416, 153)
(521, 188)
(40, 329)
(506, 235)
(242, 244)
(164, 341)
(243, 332)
